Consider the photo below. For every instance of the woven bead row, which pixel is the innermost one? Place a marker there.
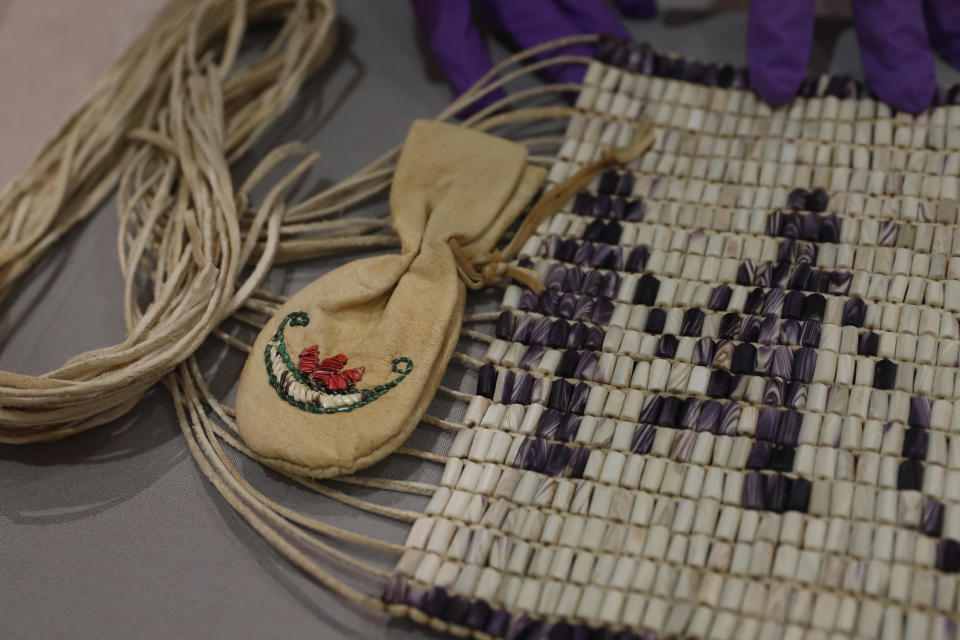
(766, 611)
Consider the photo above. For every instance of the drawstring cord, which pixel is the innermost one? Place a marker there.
(494, 267)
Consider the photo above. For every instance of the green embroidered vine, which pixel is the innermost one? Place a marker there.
(312, 394)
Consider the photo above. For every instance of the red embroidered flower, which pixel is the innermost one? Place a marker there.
(329, 371)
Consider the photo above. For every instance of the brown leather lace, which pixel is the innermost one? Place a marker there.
(494, 267)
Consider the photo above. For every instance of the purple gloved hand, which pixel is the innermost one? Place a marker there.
(896, 38)
(454, 40)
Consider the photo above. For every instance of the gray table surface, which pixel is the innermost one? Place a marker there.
(115, 533)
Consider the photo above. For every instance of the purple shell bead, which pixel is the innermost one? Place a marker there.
(584, 253)
(782, 364)
(720, 297)
(573, 280)
(394, 592)
(504, 327)
(789, 431)
(586, 366)
(839, 282)
(486, 381)
(810, 227)
(592, 283)
(560, 631)
(583, 204)
(456, 610)
(781, 274)
(560, 392)
(497, 623)
(796, 395)
(703, 352)
(555, 277)
(818, 200)
(435, 602)
(637, 260)
(534, 455)
(799, 498)
(559, 330)
(830, 229)
(602, 311)
(506, 387)
(753, 491)
(522, 387)
(541, 390)
(577, 336)
(689, 414)
(566, 248)
(601, 256)
(643, 438)
(931, 520)
(762, 274)
(540, 333)
(810, 334)
(791, 225)
(569, 425)
(750, 329)
(776, 493)
(915, 443)
(773, 392)
(729, 326)
(650, 412)
(854, 311)
(729, 419)
(583, 308)
(528, 301)
(804, 362)
(797, 199)
(532, 357)
(768, 422)
(709, 419)
(609, 284)
(578, 462)
(594, 339)
(578, 399)
(618, 208)
(786, 250)
(568, 364)
(789, 333)
(567, 306)
(754, 301)
(769, 330)
(919, 412)
(670, 412)
(548, 302)
(635, 210)
(814, 306)
(774, 222)
(667, 347)
(692, 323)
(558, 458)
(773, 303)
(759, 456)
(549, 424)
(523, 328)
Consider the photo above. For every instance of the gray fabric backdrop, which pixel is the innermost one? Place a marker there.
(115, 533)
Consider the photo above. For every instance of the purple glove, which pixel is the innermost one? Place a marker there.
(895, 38)
(454, 40)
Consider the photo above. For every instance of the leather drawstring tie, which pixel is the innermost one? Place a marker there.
(492, 268)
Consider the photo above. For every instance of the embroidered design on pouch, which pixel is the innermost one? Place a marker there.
(321, 386)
